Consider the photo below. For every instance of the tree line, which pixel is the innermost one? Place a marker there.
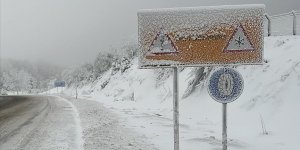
(114, 59)
(26, 77)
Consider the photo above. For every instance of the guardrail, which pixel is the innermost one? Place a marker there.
(282, 24)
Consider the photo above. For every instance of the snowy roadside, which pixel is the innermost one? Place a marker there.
(143, 99)
(102, 129)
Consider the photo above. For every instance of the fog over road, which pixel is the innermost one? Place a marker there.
(38, 122)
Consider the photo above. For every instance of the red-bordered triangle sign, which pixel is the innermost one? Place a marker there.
(162, 44)
(239, 41)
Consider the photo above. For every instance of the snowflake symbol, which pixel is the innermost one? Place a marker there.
(240, 41)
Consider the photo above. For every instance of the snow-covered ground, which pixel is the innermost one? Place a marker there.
(39, 122)
(102, 130)
(270, 98)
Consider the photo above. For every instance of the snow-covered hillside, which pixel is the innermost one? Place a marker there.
(270, 99)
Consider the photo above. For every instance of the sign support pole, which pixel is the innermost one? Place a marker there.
(224, 131)
(175, 108)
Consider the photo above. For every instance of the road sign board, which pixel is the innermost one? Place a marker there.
(59, 84)
(201, 36)
(225, 85)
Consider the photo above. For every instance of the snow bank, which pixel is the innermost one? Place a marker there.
(270, 99)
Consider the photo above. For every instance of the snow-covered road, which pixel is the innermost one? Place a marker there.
(38, 122)
(65, 123)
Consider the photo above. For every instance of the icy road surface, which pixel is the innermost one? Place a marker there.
(36, 122)
(48, 122)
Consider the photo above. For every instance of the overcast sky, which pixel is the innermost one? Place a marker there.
(70, 32)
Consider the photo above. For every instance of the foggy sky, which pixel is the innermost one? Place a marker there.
(69, 32)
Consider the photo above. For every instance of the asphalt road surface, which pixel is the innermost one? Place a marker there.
(38, 122)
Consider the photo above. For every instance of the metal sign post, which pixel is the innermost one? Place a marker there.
(176, 108)
(224, 129)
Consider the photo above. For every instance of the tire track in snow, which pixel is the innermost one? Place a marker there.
(39, 122)
(102, 129)
(79, 139)
(11, 122)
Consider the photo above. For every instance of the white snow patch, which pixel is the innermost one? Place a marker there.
(79, 140)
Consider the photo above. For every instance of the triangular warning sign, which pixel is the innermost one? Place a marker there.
(162, 44)
(239, 41)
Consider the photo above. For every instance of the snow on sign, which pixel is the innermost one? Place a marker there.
(239, 42)
(162, 44)
(201, 36)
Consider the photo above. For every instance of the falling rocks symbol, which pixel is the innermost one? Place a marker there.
(225, 85)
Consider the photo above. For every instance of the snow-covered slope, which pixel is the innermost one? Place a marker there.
(270, 98)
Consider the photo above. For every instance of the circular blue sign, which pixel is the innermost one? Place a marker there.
(225, 85)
